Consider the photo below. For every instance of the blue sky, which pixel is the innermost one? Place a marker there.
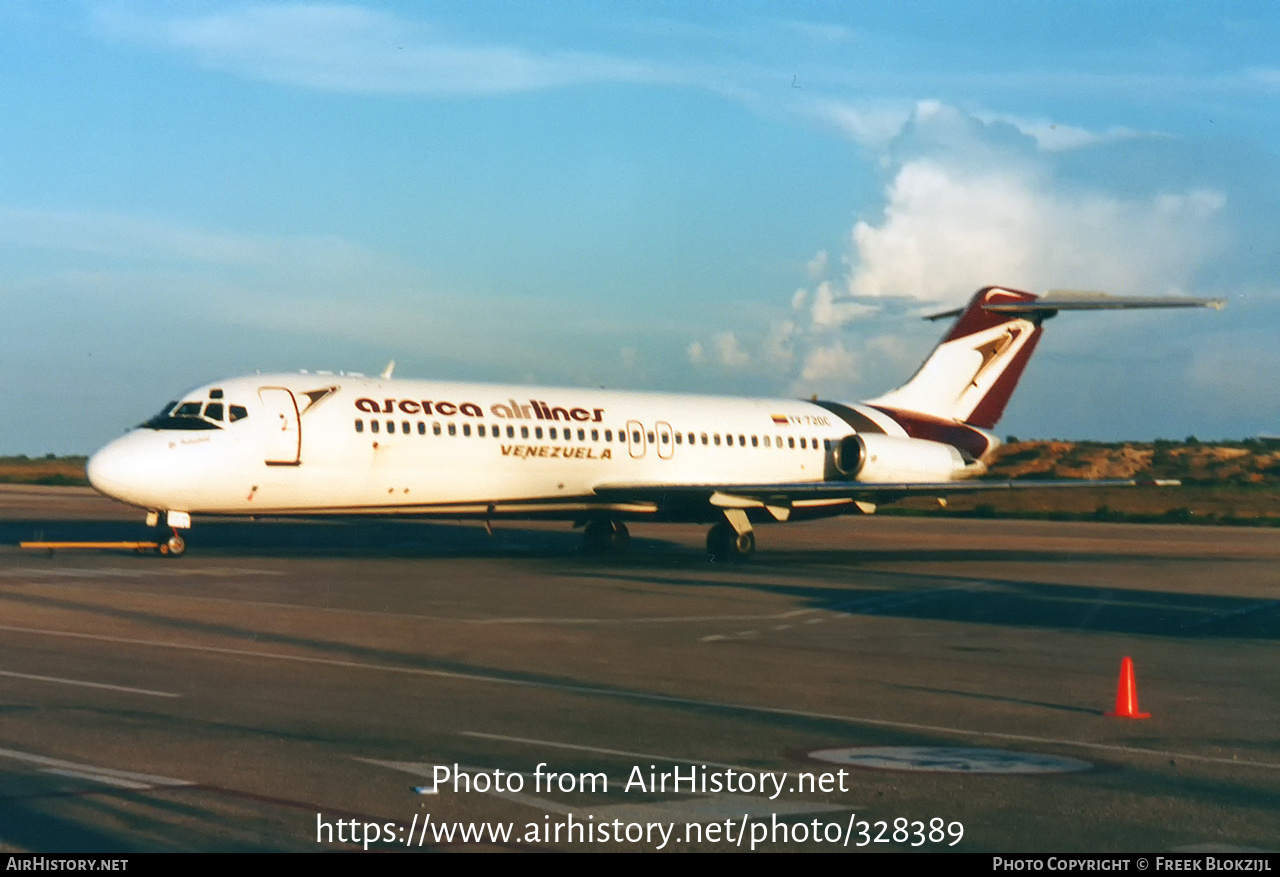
(754, 198)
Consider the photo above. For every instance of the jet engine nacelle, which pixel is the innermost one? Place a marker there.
(894, 459)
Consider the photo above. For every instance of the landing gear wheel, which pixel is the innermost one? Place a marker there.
(174, 546)
(602, 536)
(726, 543)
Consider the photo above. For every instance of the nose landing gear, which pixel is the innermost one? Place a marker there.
(165, 525)
(174, 546)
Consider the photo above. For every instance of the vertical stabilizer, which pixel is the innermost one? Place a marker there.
(970, 375)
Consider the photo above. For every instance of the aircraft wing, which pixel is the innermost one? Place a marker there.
(831, 492)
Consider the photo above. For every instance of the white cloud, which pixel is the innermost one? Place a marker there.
(342, 48)
(778, 343)
(1057, 137)
(817, 266)
(828, 312)
(874, 126)
(969, 203)
(695, 352)
(729, 352)
(828, 370)
(120, 236)
(946, 230)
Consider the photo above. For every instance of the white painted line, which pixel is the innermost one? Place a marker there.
(99, 778)
(56, 764)
(647, 697)
(84, 684)
(649, 756)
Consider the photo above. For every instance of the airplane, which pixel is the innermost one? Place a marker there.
(349, 445)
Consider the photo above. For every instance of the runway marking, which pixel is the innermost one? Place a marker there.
(82, 683)
(596, 691)
(99, 778)
(600, 751)
(444, 619)
(107, 775)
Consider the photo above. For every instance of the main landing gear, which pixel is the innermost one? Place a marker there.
(726, 543)
(605, 535)
(731, 539)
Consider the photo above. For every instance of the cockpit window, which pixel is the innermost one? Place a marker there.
(186, 416)
(238, 412)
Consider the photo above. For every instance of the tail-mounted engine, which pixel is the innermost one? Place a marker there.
(892, 459)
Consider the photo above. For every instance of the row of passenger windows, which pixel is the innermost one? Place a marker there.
(567, 434)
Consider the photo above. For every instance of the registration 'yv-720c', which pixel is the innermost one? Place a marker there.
(329, 444)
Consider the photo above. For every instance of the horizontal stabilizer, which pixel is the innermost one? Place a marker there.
(1076, 300)
(1073, 300)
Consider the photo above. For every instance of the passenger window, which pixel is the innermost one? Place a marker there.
(404, 428)
(649, 436)
(466, 429)
(766, 441)
(635, 436)
(728, 440)
(802, 444)
(755, 442)
(453, 429)
(553, 432)
(582, 435)
(791, 442)
(511, 432)
(704, 439)
(422, 428)
(524, 432)
(595, 435)
(537, 432)
(666, 437)
(435, 428)
(359, 426)
(374, 426)
(391, 426)
(213, 411)
(679, 438)
(716, 437)
(480, 430)
(238, 412)
(608, 435)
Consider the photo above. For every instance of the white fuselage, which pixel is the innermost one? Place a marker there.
(337, 444)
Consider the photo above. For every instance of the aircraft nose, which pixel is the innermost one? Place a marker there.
(112, 469)
(131, 469)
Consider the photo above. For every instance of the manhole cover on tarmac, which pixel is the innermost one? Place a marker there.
(949, 759)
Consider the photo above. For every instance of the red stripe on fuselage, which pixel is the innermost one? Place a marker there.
(973, 442)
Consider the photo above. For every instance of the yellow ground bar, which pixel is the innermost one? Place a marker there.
(50, 546)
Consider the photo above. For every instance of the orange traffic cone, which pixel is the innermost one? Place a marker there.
(1127, 694)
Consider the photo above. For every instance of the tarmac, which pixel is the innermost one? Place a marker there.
(875, 683)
